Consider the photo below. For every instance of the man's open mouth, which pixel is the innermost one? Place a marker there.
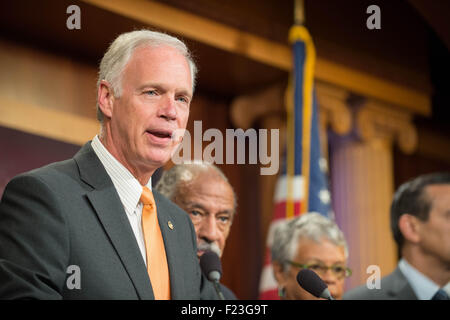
(163, 134)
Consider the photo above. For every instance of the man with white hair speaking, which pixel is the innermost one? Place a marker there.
(203, 191)
(90, 227)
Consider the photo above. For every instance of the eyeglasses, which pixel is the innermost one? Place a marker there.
(321, 269)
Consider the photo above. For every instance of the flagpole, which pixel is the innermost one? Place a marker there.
(299, 135)
(299, 33)
(299, 12)
(299, 18)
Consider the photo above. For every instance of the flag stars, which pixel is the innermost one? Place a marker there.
(324, 196)
(323, 165)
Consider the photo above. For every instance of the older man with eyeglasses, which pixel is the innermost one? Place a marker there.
(203, 191)
(310, 241)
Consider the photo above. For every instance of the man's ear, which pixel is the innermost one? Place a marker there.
(409, 226)
(105, 98)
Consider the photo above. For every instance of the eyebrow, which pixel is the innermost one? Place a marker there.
(226, 211)
(162, 88)
(193, 205)
(319, 260)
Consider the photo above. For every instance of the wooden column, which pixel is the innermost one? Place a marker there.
(363, 186)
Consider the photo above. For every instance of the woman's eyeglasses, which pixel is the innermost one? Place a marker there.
(321, 269)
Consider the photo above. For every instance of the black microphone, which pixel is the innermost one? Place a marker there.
(212, 268)
(312, 283)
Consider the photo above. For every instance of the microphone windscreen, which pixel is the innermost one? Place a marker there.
(311, 282)
(210, 262)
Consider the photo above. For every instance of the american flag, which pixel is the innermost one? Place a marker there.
(302, 186)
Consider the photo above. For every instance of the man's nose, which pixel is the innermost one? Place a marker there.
(208, 229)
(167, 109)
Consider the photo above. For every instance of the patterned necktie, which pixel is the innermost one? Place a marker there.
(157, 267)
(440, 295)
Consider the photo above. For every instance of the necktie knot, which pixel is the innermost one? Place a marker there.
(440, 295)
(147, 197)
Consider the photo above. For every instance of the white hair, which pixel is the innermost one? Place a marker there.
(288, 234)
(121, 49)
(170, 180)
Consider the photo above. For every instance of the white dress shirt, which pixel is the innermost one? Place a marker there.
(423, 287)
(128, 188)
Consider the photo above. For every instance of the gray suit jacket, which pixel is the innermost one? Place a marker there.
(69, 214)
(392, 287)
(227, 293)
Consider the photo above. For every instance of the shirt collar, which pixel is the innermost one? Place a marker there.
(423, 287)
(127, 186)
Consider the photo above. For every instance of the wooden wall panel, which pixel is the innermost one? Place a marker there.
(21, 152)
(38, 78)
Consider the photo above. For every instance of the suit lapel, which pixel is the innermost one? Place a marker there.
(401, 288)
(109, 209)
(171, 243)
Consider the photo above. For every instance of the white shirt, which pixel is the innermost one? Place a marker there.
(423, 287)
(128, 188)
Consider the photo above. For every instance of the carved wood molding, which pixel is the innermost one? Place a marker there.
(60, 125)
(333, 108)
(246, 110)
(375, 120)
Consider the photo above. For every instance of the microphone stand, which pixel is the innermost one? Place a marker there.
(327, 295)
(219, 292)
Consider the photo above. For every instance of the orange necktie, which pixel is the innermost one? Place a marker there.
(157, 267)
